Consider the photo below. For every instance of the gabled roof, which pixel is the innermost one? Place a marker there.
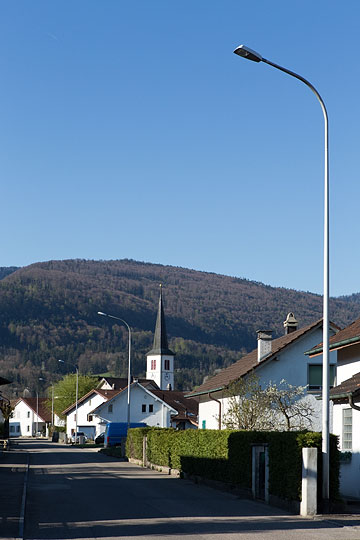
(119, 383)
(37, 404)
(177, 400)
(350, 335)
(350, 387)
(160, 345)
(106, 394)
(250, 362)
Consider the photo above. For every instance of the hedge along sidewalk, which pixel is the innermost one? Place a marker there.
(226, 456)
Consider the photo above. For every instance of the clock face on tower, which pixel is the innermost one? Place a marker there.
(167, 376)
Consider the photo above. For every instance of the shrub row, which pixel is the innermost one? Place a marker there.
(226, 456)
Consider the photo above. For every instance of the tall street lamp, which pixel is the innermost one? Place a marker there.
(129, 361)
(77, 395)
(249, 54)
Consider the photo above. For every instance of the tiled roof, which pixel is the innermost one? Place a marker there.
(38, 404)
(346, 388)
(178, 401)
(249, 362)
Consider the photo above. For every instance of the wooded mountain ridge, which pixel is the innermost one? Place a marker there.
(48, 311)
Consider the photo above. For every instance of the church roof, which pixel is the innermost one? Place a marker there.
(160, 345)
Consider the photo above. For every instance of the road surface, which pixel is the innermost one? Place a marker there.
(75, 493)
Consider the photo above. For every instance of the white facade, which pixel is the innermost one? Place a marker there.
(346, 424)
(144, 407)
(86, 422)
(289, 364)
(25, 422)
(160, 369)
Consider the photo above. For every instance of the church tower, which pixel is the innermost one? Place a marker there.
(160, 360)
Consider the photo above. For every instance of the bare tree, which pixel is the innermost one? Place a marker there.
(280, 407)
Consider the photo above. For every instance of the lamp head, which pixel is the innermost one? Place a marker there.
(248, 53)
(101, 313)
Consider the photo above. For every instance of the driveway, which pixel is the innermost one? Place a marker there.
(75, 493)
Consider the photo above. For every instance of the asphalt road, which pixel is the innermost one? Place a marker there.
(74, 493)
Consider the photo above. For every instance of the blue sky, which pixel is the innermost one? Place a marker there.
(129, 129)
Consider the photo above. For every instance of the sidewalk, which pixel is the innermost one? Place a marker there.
(13, 465)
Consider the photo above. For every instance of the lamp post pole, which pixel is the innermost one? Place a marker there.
(129, 361)
(76, 394)
(37, 413)
(249, 54)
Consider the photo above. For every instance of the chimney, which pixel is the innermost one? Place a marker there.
(290, 324)
(264, 343)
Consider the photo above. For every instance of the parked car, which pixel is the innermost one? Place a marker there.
(100, 438)
(80, 437)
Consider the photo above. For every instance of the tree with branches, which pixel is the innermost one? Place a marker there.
(274, 408)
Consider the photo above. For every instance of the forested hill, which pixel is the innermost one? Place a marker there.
(48, 311)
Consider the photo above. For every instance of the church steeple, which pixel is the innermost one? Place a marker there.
(160, 360)
(160, 345)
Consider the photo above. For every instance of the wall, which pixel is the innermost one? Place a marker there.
(349, 472)
(348, 362)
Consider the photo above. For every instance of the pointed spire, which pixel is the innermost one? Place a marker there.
(160, 345)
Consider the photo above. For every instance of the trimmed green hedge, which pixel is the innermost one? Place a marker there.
(226, 456)
(134, 442)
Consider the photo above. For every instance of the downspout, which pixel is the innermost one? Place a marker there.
(352, 404)
(219, 402)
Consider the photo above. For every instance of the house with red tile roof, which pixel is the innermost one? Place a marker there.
(31, 416)
(273, 360)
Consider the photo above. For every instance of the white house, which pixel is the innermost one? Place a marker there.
(346, 410)
(88, 423)
(162, 408)
(30, 416)
(274, 360)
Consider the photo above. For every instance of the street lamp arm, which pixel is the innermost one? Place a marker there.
(302, 79)
(117, 318)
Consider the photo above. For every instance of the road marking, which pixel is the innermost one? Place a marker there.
(23, 502)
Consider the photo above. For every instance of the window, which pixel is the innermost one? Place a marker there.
(12, 429)
(143, 408)
(28, 414)
(347, 429)
(167, 364)
(110, 408)
(151, 408)
(315, 376)
(17, 429)
(90, 417)
(153, 365)
(28, 428)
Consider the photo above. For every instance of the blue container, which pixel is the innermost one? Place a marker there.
(116, 431)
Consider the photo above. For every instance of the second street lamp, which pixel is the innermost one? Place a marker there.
(76, 394)
(249, 54)
(129, 361)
